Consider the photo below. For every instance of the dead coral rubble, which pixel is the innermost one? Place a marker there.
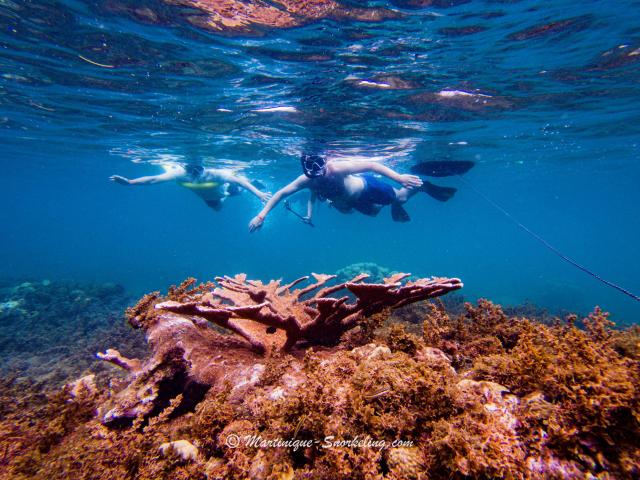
(479, 395)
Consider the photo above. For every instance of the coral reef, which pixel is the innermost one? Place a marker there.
(476, 395)
(49, 331)
(376, 273)
(188, 357)
(260, 312)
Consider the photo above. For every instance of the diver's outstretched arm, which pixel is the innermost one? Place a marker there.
(149, 180)
(350, 167)
(298, 184)
(245, 183)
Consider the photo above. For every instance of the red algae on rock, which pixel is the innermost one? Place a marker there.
(476, 395)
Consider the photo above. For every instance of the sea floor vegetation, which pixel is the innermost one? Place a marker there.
(415, 393)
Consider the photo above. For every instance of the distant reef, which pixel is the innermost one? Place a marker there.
(50, 330)
(375, 272)
(316, 379)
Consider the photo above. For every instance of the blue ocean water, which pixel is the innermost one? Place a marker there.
(544, 97)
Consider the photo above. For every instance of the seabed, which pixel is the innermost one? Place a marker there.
(319, 378)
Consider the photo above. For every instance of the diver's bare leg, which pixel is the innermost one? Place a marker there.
(403, 194)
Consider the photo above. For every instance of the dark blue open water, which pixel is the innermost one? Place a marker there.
(555, 141)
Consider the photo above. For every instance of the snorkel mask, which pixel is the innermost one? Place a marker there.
(313, 166)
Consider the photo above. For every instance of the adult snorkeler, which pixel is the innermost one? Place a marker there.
(352, 185)
(213, 185)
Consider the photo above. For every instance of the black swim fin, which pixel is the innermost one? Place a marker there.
(442, 168)
(398, 213)
(441, 194)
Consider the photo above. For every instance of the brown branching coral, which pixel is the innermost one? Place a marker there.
(189, 357)
(257, 311)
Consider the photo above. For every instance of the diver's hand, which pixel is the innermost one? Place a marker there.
(256, 223)
(120, 180)
(410, 181)
(264, 196)
(307, 220)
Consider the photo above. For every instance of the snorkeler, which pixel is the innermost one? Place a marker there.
(213, 185)
(351, 185)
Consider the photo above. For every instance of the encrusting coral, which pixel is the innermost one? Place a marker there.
(477, 395)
